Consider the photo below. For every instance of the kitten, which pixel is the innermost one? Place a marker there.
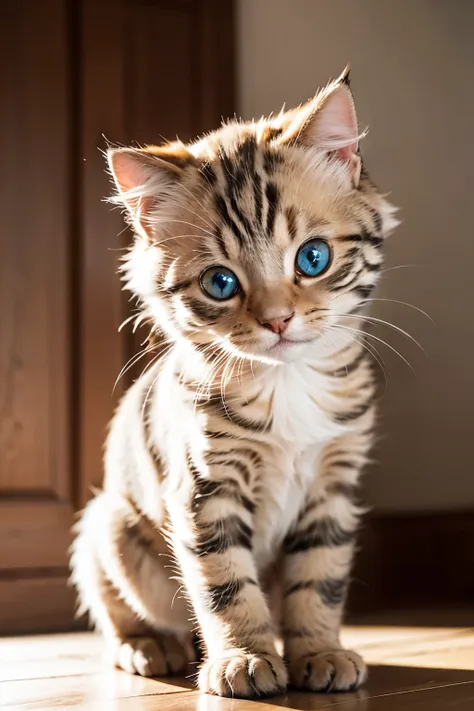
(232, 463)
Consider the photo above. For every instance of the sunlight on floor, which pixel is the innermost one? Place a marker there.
(425, 647)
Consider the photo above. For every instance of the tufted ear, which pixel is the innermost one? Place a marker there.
(146, 178)
(328, 123)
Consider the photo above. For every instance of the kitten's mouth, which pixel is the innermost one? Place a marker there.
(285, 343)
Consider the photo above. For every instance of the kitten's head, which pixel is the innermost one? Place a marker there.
(259, 237)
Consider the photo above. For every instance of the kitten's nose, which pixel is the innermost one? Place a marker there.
(279, 324)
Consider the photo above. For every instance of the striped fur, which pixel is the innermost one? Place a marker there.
(237, 453)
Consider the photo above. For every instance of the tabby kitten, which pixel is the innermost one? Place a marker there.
(232, 463)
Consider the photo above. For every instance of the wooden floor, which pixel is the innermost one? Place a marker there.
(424, 667)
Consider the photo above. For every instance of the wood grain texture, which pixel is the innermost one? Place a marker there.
(36, 509)
(69, 672)
(43, 602)
(34, 140)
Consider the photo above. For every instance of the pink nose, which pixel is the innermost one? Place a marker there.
(278, 325)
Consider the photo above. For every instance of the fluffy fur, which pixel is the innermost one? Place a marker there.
(232, 463)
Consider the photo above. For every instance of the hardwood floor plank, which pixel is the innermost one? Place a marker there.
(105, 687)
(43, 656)
(413, 669)
(459, 697)
(449, 648)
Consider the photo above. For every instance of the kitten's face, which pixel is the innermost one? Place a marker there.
(259, 238)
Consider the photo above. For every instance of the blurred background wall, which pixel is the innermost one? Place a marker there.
(412, 77)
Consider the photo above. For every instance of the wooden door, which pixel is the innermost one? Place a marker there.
(74, 71)
(36, 335)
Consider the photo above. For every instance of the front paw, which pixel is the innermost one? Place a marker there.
(243, 675)
(157, 655)
(340, 670)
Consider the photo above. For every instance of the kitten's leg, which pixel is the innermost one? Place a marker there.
(317, 558)
(212, 538)
(123, 584)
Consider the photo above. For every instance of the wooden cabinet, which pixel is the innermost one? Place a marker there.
(73, 75)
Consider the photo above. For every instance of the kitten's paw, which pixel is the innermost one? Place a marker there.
(160, 655)
(340, 670)
(244, 676)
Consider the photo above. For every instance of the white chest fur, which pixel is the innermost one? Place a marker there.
(302, 423)
(302, 404)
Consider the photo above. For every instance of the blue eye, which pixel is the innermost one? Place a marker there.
(219, 283)
(313, 257)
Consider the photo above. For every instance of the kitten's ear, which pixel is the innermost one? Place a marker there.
(328, 123)
(146, 178)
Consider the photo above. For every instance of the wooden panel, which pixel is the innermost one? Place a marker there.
(180, 68)
(35, 473)
(43, 603)
(33, 284)
(35, 533)
(161, 71)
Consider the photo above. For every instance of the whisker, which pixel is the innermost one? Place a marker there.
(373, 319)
(403, 303)
(190, 224)
(380, 340)
(131, 362)
(206, 212)
(371, 350)
(398, 266)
